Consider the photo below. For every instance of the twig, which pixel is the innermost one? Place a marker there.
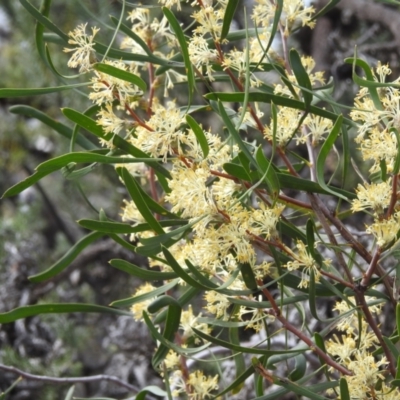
(86, 379)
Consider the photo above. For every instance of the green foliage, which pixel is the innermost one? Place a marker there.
(235, 230)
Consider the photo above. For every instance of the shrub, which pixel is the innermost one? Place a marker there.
(248, 225)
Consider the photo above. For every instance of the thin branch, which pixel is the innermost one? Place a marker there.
(87, 379)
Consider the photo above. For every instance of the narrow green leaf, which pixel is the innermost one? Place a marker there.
(396, 167)
(146, 296)
(325, 149)
(27, 182)
(154, 390)
(171, 324)
(292, 182)
(267, 169)
(328, 7)
(85, 122)
(160, 338)
(247, 350)
(43, 20)
(129, 56)
(238, 357)
(110, 227)
(397, 377)
(319, 387)
(239, 172)
(120, 228)
(200, 277)
(235, 134)
(57, 163)
(154, 206)
(52, 123)
(344, 390)
(301, 76)
(392, 347)
(262, 97)
(200, 136)
(176, 27)
(122, 144)
(137, 198)
(67, 259)
(121, 74)
(128, 32)
(25, 92)
(319, 341)
(229, 13)
(299, 369)
(30, 311)
(70, 393)
(145, 274)
(248, 276)
(181, 272)
(370, 82)
(298, 389)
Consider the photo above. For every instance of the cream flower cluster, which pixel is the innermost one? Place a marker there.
(378, 117)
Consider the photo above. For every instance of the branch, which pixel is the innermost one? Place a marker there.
(87, 379)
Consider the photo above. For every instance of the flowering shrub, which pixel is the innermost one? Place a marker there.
(240, 234)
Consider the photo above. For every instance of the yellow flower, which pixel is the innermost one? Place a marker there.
(202, 385)
(304, 261)
(385, 231)
(374, 195)
(84, 55)
(138, 308)
(287, 125)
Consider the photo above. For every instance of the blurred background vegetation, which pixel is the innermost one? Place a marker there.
(37, 227)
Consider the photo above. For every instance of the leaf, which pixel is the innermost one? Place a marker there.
(238, 357)
(11, 93)
(247, 350)
(142, 273)
(43, 20)
(128, 32)
(396, 166)
(238, 97)
(121, 74)
(171, 325)
(146, 296)
(321, 160)
(85, 122)
(57, 163)
(181, 272)
(27, 182)
(137, 198)
(301, 76)
(52, 123)
(328, 7)
(319, 341)
(293, 182)
(155, 390)
(122, 144)
(67, 259)
(299, 368)
(267, 169)
(370, 82)
(121, 228)
(235, 134)
(344, 389)
(248, 276)
(200, 136)
(229, 13)
(176, 27)
(392, 348)
(53, 308)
